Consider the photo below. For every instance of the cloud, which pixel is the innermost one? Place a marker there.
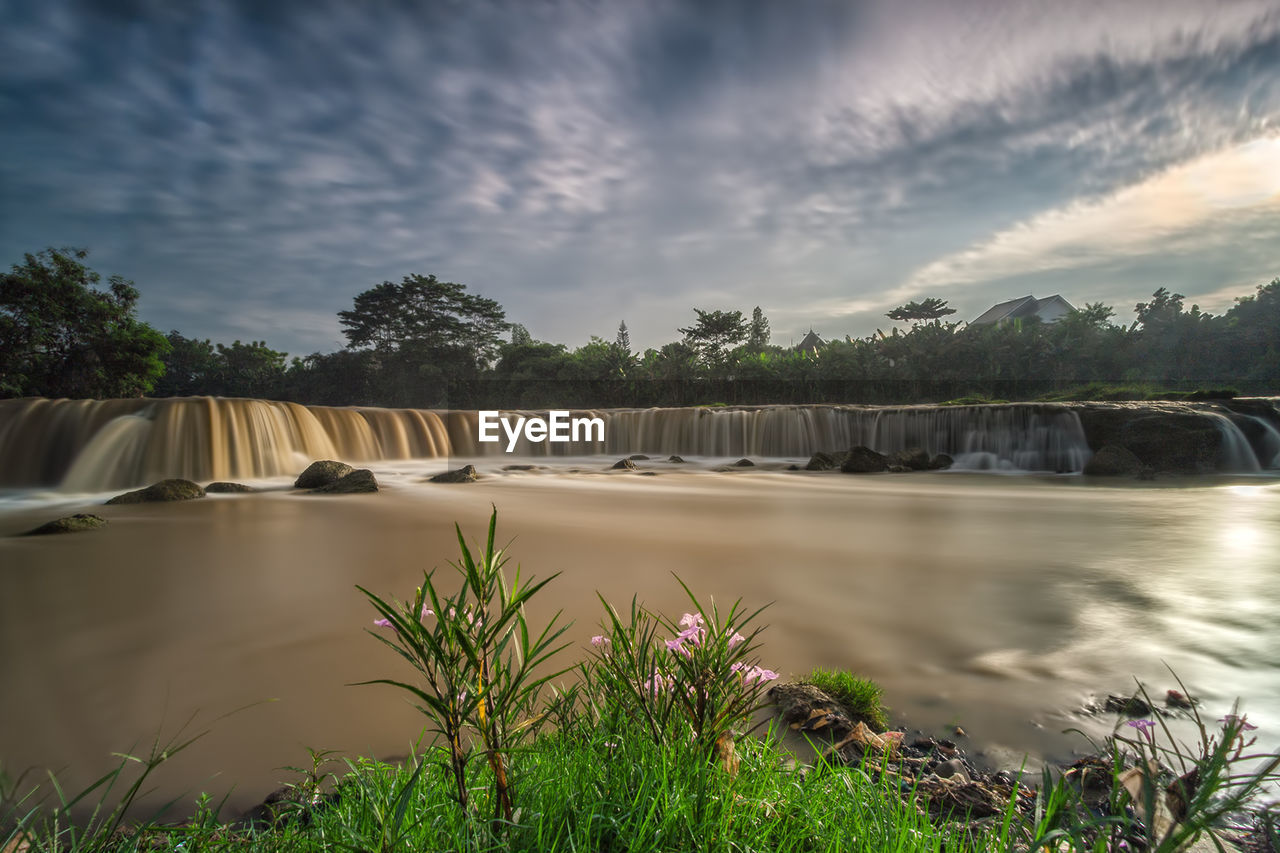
(582, 161)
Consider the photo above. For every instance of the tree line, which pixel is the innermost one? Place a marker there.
(423, 342)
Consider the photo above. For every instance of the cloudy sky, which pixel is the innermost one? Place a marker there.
(252, 166)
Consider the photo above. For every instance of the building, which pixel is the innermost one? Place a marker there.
(1051, 309)
(811, 343)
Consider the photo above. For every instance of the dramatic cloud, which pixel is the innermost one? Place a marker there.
(254, 166)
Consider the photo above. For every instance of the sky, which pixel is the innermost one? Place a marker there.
(253, 166)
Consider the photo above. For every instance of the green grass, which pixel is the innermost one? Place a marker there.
(1140, 391)
(860, 696)
(603, 792)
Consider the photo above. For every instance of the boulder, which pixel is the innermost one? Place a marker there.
(1176, 442)
(227, 488)
(913, 459)
(322, 473)
(357, 482)
(864, 460)
(1113, 461)
(941, 462)
(638, 457)
(822, 462)
(1166, 437)
(165, 490)
(623, 465)
(675, 460)
(465, 474)
(69, 524)
(744, 463)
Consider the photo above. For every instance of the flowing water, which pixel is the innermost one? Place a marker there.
(998, 603)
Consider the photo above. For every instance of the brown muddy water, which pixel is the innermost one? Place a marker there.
(997, 603)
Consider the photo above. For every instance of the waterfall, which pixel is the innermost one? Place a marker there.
(1267, 445)
(88, 445)
(1235, 455)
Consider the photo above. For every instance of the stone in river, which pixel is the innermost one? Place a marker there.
(322, 473)
(69, 524)
(165, 490)
(357, 482)
(465, 474)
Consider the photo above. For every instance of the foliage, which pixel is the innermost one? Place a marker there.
(927, 309)
(238, 370)
(714, 334)
(62, 337)
(1156, 793)
(860, 696)
(476, 658)
(698, 678)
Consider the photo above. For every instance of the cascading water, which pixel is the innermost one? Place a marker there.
(1267, 442)
(1235, 455)
(86, 446)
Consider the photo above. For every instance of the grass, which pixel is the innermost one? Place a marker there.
(1111, 391)
(860, 696)
(600, 791)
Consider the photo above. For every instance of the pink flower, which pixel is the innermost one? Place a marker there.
(426, 611)
(1241, 723)
(677, 646)
(600, 640)
(382, 623)
(757, 674)
(736, 639)
(691, 620)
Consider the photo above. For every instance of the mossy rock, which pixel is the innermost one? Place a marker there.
(357, 482)
(322, 473)
(227, 488)
(1113, 461)
(941, 462)
(465, 474)
(912, 459)
(822, 462)
(165, 490)
(69, 524)
(864, 460)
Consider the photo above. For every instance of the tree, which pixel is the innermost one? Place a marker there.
(758, 333)
(714, 334)
(435, 318)
(61, 337)
(623, 340)
(929, 309)
(189, 367)
(429, 336)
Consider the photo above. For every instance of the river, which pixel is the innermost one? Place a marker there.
(997, 603)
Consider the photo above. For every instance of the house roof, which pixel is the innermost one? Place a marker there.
(1025, 306)
(811, 342)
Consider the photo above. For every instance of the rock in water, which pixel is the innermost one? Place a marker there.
(864, 460)
(465, 474)
(638, 457)
(227, 488)
(744, 463)
(675, 459)
(1113, 460)
(165, 490)
(913, 459)
(322, 473)
(940, 462)
(69, 524)
(822, 462)
(623, 465)
(357, 482)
